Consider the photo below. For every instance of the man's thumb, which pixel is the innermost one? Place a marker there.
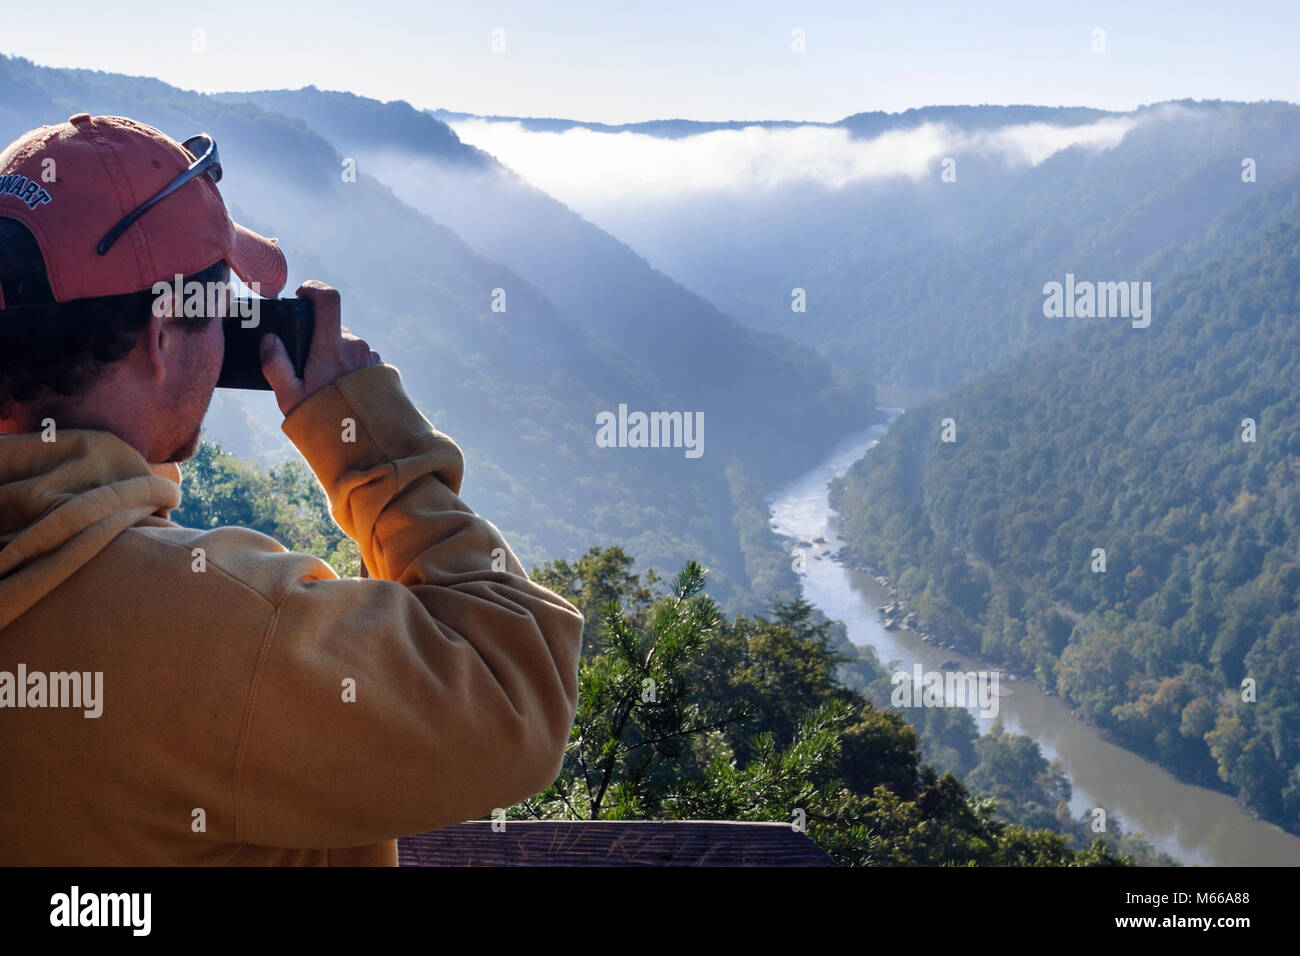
(276, 365)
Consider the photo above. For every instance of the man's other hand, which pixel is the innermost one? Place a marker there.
(334, 351)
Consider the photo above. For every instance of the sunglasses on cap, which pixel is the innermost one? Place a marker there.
(208, 161)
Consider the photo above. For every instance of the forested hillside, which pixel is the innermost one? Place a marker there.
(687, 350)
(1174, 449)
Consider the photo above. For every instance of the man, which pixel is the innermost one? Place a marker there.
(177, 696)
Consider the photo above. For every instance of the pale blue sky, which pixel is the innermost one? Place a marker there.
(615, 62)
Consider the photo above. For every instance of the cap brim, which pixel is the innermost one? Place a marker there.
(259, 262)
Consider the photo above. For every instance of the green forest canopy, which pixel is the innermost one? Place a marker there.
(1134, 442)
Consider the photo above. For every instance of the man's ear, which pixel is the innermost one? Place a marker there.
(158, 337)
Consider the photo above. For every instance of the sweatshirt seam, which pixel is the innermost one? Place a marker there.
(387, 461)
(273, 603)
(362, 419)
(345, 463)
(241, 746)
(241, 750)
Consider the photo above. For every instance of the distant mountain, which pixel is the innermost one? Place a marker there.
(666, 128)
(972, 117)
(704, 359)
(919, 281)
(860, 124)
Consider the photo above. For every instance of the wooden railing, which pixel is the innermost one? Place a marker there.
(613, 843)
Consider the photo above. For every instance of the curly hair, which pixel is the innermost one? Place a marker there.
(63, 347)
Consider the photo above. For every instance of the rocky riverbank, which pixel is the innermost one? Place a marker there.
(896, 615)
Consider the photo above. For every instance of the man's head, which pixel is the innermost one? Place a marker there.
(93, 213)
(107, 362)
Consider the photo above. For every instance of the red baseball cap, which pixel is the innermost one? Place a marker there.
(71, 183)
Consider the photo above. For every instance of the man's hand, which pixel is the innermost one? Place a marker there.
(334, 351)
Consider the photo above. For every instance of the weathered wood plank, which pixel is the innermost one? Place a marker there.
(613, 843)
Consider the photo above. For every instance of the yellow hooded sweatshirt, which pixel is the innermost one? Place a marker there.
(254, 708)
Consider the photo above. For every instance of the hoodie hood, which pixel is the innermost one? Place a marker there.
(62, 502)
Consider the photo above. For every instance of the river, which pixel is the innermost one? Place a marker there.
(1190, 823)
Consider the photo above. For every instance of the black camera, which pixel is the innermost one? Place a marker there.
(293, 320)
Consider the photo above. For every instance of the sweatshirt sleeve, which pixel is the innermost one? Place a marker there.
(439, 689)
